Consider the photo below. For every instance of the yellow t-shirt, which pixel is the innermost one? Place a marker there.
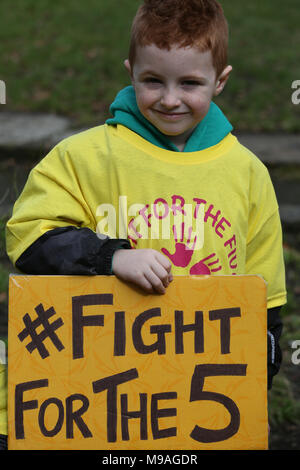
(212, 211)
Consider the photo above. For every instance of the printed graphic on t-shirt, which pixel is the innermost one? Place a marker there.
(180, 230)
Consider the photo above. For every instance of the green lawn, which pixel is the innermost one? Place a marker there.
(67, 57)
(3, 270)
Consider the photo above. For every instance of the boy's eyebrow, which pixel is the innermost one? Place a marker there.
(184, 77)
(149, 72)
(194, 77)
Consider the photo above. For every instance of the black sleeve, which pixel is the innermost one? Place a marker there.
(274, 350)
(3, 442)
(70, 251)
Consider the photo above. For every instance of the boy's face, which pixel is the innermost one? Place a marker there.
(174, 88)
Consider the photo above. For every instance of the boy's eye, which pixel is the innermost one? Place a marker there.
(191, 83)
(152, 80)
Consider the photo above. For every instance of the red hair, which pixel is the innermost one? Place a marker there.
(183, 23)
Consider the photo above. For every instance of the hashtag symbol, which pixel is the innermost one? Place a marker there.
(37, 339)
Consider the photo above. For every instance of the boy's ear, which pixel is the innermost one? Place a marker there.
(222, 80)
(128, 67)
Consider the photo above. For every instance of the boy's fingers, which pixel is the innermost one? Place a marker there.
(148, 269)
(146, 286)
(143, 283)
(155, 282)
(164, 261)
(161, 273)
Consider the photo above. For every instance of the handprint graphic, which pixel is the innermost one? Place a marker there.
(184, 251)
(202, 268)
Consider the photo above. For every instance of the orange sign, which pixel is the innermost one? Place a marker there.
(96, 364)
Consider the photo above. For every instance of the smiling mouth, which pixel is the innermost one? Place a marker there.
(171, 115)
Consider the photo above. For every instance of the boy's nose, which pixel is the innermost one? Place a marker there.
(170, 99)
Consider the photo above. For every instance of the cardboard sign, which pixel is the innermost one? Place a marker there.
(96, 364)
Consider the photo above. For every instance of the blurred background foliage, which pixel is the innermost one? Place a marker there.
(67, 57)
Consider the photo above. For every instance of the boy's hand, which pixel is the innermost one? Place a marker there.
(147, 268)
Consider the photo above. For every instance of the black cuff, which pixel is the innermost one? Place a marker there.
(104, 260)
(3, 442)
(274, 350)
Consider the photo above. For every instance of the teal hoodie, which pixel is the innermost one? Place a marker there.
(210, 131)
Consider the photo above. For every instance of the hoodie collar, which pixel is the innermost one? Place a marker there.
(210, 131)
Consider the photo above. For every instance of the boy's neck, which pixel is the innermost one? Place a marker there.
(179, 141)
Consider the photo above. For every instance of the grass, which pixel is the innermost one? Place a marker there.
(283, 407)
(67, 58)
(3, 270)
(3, 279)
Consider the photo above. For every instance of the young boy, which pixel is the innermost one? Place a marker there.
(124, 198)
